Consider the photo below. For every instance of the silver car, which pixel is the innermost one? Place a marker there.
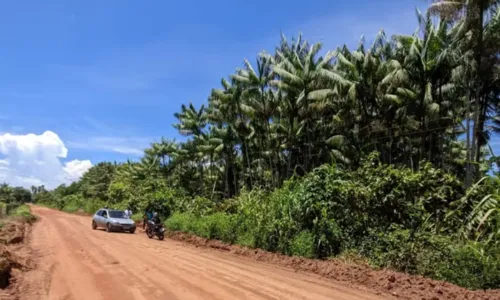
(112, 220)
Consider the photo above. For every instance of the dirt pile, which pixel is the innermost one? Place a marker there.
(12, 262)
(13, 232)
(9, 261)
(401, 285)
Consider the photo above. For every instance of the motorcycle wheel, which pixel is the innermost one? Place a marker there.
(149, 233)
(161, 236)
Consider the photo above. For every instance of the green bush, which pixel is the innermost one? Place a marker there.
(24, 211)
(303, 245)
(246, 239)
(90, 206)
(199, 206)
(472, 265)
(181, 222)
(3, 209)
(72, 203)
(137, 217)
(218, 226)
(71, 208)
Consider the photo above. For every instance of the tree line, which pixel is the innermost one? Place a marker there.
(430, 96)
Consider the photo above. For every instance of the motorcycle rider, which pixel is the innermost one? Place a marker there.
(155, 227)
(154, 222)
(156, 219)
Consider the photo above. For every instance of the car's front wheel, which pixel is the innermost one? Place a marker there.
(94, 225)
(108, 227)
(132, 231)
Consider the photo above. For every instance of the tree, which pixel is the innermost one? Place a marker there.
(474, 17)
(410, 98)
(95, 182)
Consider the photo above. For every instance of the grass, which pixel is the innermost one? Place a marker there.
(219, 226)
(24, 211)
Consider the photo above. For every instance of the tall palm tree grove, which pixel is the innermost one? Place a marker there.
(410, 98)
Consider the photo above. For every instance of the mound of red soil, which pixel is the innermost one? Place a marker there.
(13, 260)
(397, 284)
(9, 261)
(12, 232)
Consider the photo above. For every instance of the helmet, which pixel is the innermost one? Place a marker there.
(155, 214)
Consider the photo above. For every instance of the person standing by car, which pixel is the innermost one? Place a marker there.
(147, 216)
(128, 213)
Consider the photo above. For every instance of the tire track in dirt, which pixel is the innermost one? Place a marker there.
(80, 263)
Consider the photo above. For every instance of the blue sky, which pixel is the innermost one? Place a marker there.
(107, 76)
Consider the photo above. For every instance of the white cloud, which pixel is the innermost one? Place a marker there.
(75, 168)
(36, 159)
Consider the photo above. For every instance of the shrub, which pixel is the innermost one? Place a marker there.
(137, 217)
(221, 226)
(218, 226)
(352, 256)
(92, 205)
(400, 249)
(180, 222)
(473, 266)
(199, 206)
(3, 208)
(72, 203)
(246, 239)
(303, 245)
(24, 212)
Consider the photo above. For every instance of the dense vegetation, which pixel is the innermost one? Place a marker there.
(13, 203)
(379, 153)
(12, 197)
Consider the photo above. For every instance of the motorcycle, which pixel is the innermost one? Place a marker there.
(155, 229)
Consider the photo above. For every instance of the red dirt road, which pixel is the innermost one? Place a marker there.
(75, 262)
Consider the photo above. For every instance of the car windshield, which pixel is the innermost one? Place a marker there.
(117, 214)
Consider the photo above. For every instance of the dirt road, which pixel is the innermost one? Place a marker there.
(76, 262)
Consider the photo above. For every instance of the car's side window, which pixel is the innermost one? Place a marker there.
(99, 213)
(104, 213)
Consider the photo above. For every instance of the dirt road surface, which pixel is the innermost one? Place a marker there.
(75, 262)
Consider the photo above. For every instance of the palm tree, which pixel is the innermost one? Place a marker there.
(192, 123)
(191, 120)
(426, 62)
(296, 71)
(233, 113)
(405, 97)
(255, 93)
(475, 15)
